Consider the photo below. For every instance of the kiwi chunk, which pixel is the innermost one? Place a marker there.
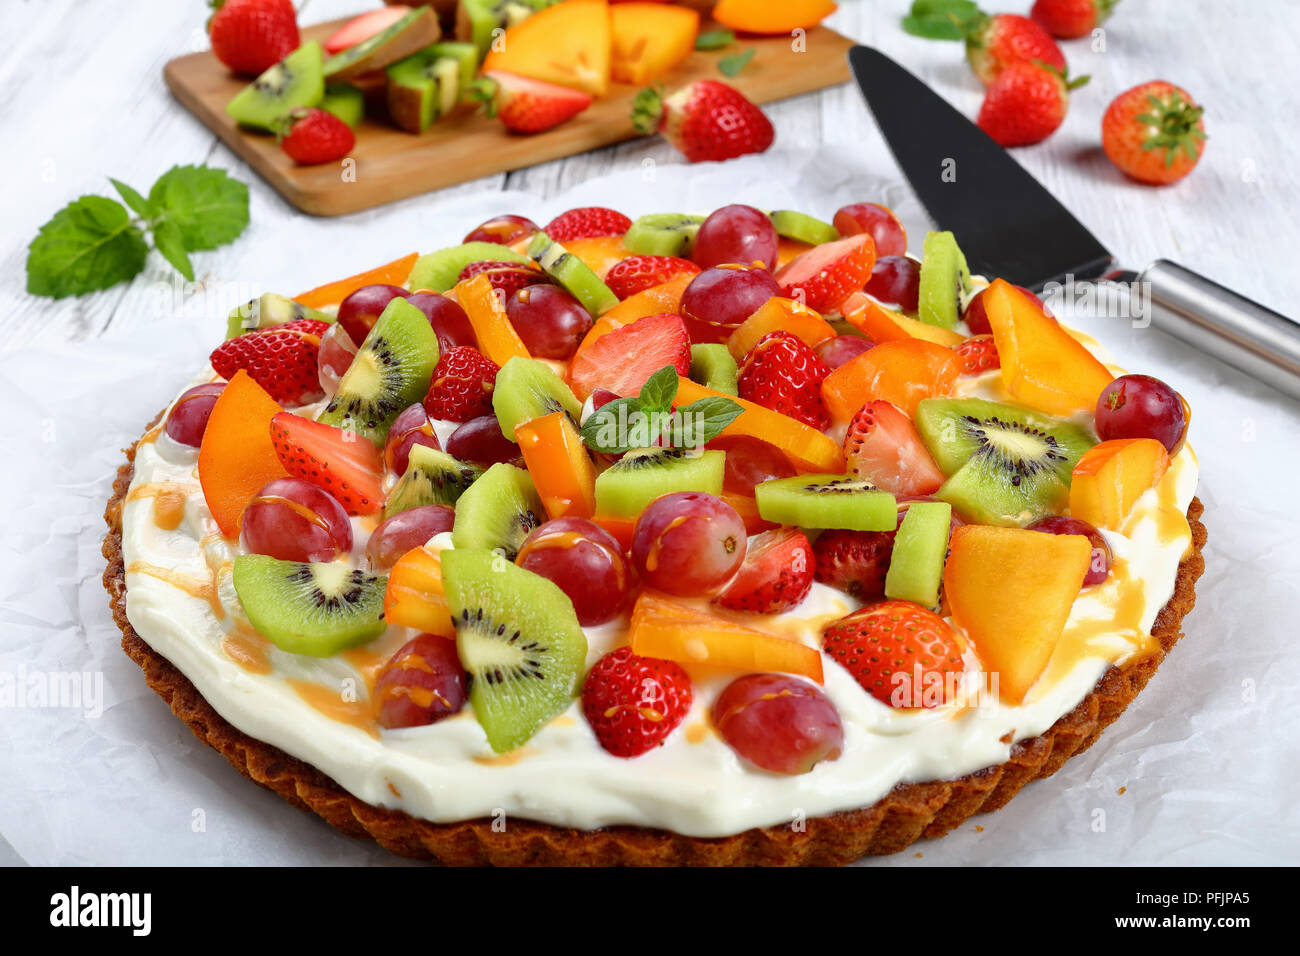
(432, 477)
(498, 511)
(429, 84)
(316, 609)
(713, 367)
(526, 389)
(295, 81)
(663, 234)
(572, 273)
(1007, 465)
(945, 280)
(345, 101)
(518, 638)
(267, 310)
(916, 564)
(625, 488)
(802, 227)
(827, 501)
(441, 270)
(417, 29)
(390, 372)
(476, 20)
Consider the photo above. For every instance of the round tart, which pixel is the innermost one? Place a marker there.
(615, 552)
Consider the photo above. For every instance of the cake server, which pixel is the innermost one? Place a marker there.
(1010, 226)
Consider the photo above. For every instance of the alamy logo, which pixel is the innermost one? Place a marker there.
(81, 690)
(102, 909)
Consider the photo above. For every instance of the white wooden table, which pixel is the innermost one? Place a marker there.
(85, 100)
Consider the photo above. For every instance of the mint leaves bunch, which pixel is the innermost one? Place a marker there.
(94, 243)
(640, 421)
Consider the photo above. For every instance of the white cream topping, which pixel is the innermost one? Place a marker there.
(694, 784)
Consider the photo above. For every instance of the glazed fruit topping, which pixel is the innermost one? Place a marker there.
(586, 222)
(902, 654)
(688, 543)
(188, 418)
(779, 723)
(633, 703)
(736, 234)
(422, 683)
(585, 562)
(462, 386)
(785, 375)
(293, 520)
(1139, 406)
(282, 359)
(776, 575)
(635, 274)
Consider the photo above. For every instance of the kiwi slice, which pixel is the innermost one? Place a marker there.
(713, 367)
(802, 227)
(518, 638)
(1007, 465)
(945, 280)
(826, 501)
(267, 310)
(663, 234)
(429, 84)
(295, 81)
(526, 389)
(417, 29)
(625, 488)
(920, 546)
(498, 511)
(390, 372)
(316, 609)
(432, 477)
(345, 101)
(441, 270)
(572, 273)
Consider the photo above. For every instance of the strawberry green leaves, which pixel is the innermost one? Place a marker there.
(93, 243)
(649, 418)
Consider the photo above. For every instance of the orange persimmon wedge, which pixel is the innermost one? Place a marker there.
(747, 508)
(599, 253)
(568, 44)
(415, 597)
(884, 325)
(237, 457)
(649, 39)
(559, 464)
(764, 16)
(902, 372)
(787, 249)
(1042, 365)
(1011, 591)
(779, 314)
(1110, 478)
(391, 273)
(807, 448)
(621, 528)
(665, 629)
(497, 338)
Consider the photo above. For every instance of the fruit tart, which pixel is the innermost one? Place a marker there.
(726, 539)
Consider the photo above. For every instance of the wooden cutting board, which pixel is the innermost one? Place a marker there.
(392, 165)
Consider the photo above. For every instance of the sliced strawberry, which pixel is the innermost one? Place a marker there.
(887, 647)
(622, 360)
(462, 385)
(635, 274)
(526, 105)
(633, 703)
(343, 463)
(586, 222)
(883, 446)
(361, 28)
(776, 575)
(281, 358)
(854, 561)
(826, 275)
(978, 354)
(782, 373)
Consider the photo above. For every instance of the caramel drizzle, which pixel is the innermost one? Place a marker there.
(194, 587)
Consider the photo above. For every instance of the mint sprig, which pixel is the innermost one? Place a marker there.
(733, 64)
(93, 243)
(641, 421)
(940, 19)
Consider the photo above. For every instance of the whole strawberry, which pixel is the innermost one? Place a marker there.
(315, 136)
(1069, 19)
(506, 277)
(461, 386)
(251, 36)
(281, 359)
(706, 120)
(902, 654)
(635, 274)
(776, 575)
(633, 703)
(995, 43)
(587, 222)
(525, 105)
(854, 561)
(1026, 104)
(1154, 133)
(782, 373)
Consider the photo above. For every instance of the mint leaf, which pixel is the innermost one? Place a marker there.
(731, 65)
(660, 389)
(139, 205)
(207, 206)
(705, 419)
(167, 240)
(609, 428)
(714, 40)
(940, 19)
(89, 244)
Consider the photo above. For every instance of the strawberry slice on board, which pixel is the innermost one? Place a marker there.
(342, 462)
(824, 276)
(361, 28)
(525, 105)
(883, 446)
(622, 360)
(776, 575)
